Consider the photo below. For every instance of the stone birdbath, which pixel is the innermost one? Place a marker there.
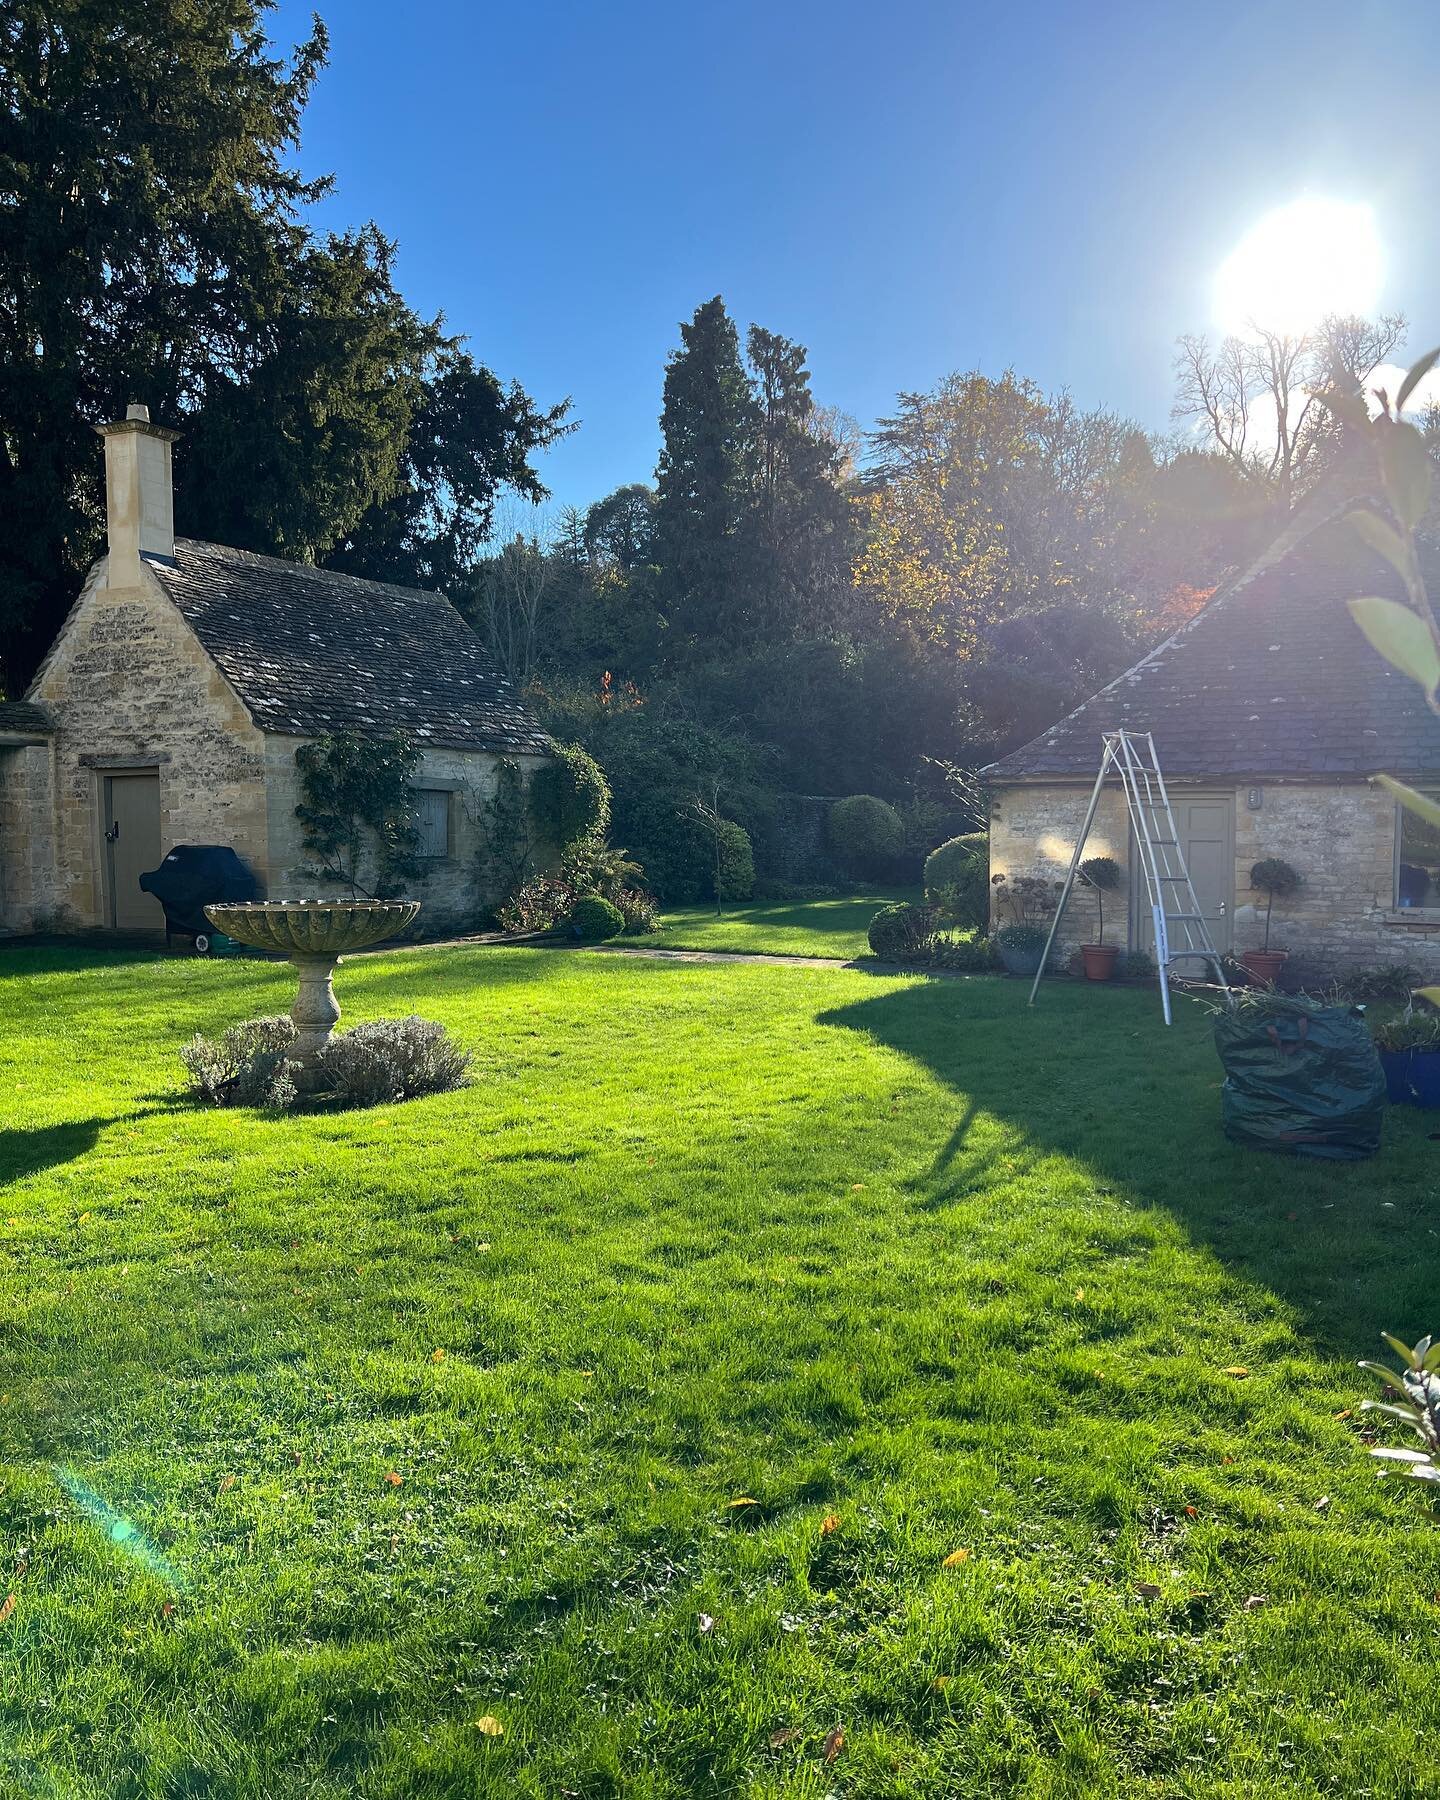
(314, 935)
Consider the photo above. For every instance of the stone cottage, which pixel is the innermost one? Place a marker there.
(1270, 714)
(185, 678)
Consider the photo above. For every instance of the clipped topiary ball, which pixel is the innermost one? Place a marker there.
(865, 833)
(901, 930)
(957, 878)
(593, 920)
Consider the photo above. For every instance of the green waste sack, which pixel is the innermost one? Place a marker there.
(1302, 1079)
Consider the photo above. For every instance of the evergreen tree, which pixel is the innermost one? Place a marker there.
(153, 247)
(801, 525)
(704, 498)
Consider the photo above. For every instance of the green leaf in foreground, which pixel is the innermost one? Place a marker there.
(1402, 637)
(1420, 804)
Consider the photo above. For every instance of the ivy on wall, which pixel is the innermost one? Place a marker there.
(356, 800)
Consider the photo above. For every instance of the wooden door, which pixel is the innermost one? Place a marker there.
(1205, 827)
(132, 847)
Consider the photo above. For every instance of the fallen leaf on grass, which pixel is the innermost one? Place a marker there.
(778, 1739)
(437, 1356)
(834, 1744)
(1344, 1413)
(1238, 1371)
(1079, 1293)
(7, 1608)
(831, 1522)
(1147, 1590)
(1256, 1602)
(740, 1500)
(1191, 1512)
(955, 1558)
(940, 1683)
(490, 1726)
(1323, 1503)
(226, 1483)
(394, 1478)
(83, 1217)
(706, 1624)
(167, 1609)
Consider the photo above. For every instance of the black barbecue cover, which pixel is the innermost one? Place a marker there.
(194, 876)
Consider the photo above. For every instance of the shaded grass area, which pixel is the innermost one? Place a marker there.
(780, 928)
(323, 1438)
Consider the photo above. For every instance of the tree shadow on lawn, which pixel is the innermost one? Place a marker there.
(1097, 1078)
(26, 1152)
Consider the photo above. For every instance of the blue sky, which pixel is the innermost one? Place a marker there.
(907, 188)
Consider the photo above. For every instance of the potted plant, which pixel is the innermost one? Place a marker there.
(1102, 875)
(1021, 946)
(1270, 877)
(1409, 1050)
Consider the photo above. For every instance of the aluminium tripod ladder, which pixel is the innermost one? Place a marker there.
(1179, 931)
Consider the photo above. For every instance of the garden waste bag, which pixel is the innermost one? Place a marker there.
(1301, 1078)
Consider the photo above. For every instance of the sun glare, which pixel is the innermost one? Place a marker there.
(1298, 264)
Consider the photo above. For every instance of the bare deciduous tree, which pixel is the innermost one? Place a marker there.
(510, 591)
(1259, 397)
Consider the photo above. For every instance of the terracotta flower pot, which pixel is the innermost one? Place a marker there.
(1099, 960)
(1264, 965)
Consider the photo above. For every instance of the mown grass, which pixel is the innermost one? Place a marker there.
(709, 1257)
(780, 928)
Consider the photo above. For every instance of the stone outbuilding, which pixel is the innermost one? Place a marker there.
(1271, 714)
(179, 689)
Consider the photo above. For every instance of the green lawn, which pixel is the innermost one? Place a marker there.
(635, 1398)
(780, 927)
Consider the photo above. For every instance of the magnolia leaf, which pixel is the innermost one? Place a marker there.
(1255, 1602)
(1405, 466)
(1418, 372)
(490, 1726)
(1147, 1590)
(834, 1744)
(740, 1500)
(1433, 996)
(1420, 804)
(831, 1522)
(1432, 1355)
(1410, 1414)
(1238, 1370)
(1380, 536)
(787, 1735)
(955, 1558)
(1401, 1349)
(1388, 1376)
(1386, 1454)
(7, 1608)
(1402, 637)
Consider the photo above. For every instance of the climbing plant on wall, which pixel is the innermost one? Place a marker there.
(357, 809)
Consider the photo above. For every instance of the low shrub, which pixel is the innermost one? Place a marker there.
(1391, 981)
(593, 920)
(677, 848)
(966, 955)
(1135, 965)
(638, 909)
(541, 904)
(957, 880)
(866, 834)
(902, 931)
(246, 1066)
(385, 1060)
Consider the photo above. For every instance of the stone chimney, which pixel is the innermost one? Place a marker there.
(139, 494)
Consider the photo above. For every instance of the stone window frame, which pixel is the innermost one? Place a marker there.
(1397, 912)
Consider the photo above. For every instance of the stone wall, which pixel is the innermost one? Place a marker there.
(458, 891)
(1340, 837)
(129, 686)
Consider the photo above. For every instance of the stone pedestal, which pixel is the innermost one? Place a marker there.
(313, 934)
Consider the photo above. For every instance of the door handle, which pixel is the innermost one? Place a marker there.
(113, 833)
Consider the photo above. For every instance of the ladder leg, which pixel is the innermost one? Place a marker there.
(1070, 877)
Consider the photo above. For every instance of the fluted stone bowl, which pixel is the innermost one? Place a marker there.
(314, 934)
(318, 928)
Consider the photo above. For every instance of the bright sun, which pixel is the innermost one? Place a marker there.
(1298, 264)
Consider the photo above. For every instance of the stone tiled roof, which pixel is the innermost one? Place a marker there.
(1272, 678)
(309, 652)
(23, 718)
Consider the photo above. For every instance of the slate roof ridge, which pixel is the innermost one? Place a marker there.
(309, 571)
